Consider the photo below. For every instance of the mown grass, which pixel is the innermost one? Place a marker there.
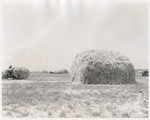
(61, 99)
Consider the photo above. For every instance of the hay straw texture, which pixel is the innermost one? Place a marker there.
(20, 73)
(102, 67)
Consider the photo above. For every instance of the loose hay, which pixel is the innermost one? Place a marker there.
(102, 67)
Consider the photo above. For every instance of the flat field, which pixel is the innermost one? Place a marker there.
(51, 95)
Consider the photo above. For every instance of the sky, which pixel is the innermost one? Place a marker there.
(48, 34)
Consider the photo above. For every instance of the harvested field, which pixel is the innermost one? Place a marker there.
(51, 95)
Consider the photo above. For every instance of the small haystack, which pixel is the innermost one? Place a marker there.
(102, 67)
(62, 71)
(4, 74)
(16, 73)
(145, 73)
(20, 73)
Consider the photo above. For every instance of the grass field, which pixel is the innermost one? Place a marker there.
(49, 95)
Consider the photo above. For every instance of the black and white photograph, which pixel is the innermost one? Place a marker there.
(74, 58)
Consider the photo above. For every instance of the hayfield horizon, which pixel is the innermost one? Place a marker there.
(47, 35)
(56, 68)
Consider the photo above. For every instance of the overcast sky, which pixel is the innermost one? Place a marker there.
(47, 35)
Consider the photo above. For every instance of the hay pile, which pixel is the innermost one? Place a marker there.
(62, 71)
(16, 73)
(20, 73)
(4, 74)
(102, 67)
(145, 73)
(7, 74)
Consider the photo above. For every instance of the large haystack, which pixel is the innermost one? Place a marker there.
(20, 73)
(102, 67)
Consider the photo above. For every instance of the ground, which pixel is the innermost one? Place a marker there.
(49, 95)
